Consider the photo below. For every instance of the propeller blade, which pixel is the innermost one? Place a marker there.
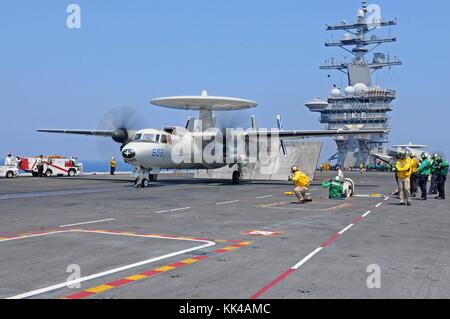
(282, 143)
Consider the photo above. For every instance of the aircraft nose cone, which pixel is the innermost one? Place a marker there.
(128, 153)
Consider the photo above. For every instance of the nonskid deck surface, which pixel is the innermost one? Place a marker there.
(186, 238)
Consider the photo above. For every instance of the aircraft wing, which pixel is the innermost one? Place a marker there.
(295, 135)
(81, 132)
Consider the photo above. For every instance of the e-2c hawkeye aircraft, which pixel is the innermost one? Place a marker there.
(150, 150)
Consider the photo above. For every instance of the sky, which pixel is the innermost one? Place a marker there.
(127, 53)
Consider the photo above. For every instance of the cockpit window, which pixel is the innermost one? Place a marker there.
(149, 138)
(164, 139)
(137, 137)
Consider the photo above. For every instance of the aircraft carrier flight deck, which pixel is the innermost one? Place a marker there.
(188, 238)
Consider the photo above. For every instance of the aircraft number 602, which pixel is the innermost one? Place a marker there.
(158, 153)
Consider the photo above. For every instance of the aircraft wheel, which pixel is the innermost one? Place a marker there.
(236, 178)
(144, 183)
(153, 178)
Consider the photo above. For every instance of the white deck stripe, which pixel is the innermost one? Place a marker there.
(379, 205)
(86, 223)
(346, 229)
(304, 260)
(262, 197)
(366, 214)
(178, 209)
(230, 202)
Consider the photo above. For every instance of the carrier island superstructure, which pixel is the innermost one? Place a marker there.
(359, 105)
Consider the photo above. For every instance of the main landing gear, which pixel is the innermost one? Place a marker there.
(237, 175)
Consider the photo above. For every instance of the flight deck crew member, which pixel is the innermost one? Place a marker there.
(40, 165)
(301, 182)
(424, 172)
(414, 174)
(403, 168)
(113, 165)
(9, 160)
(336, 188)
(434, 175)
(442, 171)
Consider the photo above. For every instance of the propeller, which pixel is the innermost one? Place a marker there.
(124, 121)
(282, 143)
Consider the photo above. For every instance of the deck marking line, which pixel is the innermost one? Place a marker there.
(143, 275)
(229, 202)
(262, 197)
(346, 229)
(86, 223)
(206, 244)
(272, 284)
(367, 214)
(179, 209)
(330, 241)
(311, 255)
(307, 258)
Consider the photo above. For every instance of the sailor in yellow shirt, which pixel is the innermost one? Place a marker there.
(404, 171)
(415, 163)
(113, 165)
(301, 182)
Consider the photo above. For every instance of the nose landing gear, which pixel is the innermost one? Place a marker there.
(144, 177)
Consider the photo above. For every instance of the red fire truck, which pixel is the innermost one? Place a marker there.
(53, 166)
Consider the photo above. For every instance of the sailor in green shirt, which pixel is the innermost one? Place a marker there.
(434, 176)
(424, 174)
(336, 188)
(442, 172)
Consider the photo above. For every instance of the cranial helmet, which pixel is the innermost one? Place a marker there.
(294, 169)
(337, 179)
(424, 156)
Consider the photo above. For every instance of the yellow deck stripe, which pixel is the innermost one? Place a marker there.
(165, 268)
(136, 277)
(230, 248)
(245, 243)
(190, 261)
(100, 289)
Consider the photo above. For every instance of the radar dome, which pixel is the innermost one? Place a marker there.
(350, 91)
(335, 92)
(360, 88)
